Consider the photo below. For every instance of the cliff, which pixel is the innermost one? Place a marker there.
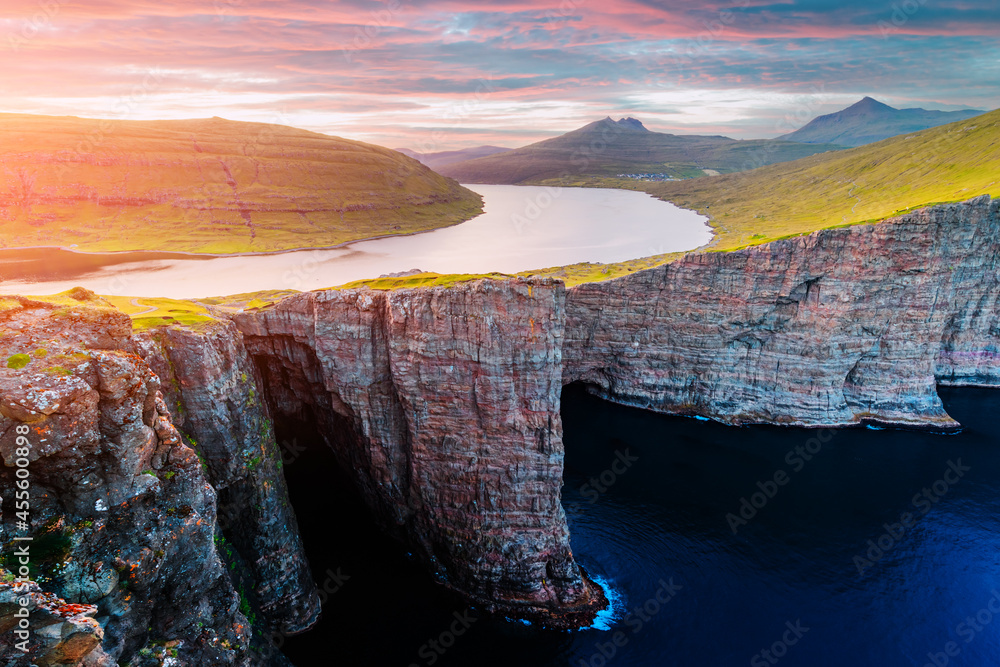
(214, 389)
(122, 517)
(444, 404)
(843, 326)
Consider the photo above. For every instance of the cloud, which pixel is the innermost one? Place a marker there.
(497, 71)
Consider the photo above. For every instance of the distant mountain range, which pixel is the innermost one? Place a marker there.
(869, 120)
(609, 148)
(440, 159)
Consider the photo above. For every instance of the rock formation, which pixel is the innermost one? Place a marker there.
(122, 516)
(57, 632)
(843, 326)
(215, 393)
(443, 403)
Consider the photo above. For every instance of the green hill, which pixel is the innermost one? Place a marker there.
(208, 186)
(608, 148)
(943, 164)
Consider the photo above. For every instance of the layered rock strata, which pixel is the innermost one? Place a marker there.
(444, 403)
(843, 326)
(121, 515)
(214, 390)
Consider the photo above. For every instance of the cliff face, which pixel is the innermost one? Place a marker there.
(122, 518)
(214, 389)
(838, 327)
(445, 404)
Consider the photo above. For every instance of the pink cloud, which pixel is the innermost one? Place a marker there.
(397, 58)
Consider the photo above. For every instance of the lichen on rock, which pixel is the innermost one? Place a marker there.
(122, 516)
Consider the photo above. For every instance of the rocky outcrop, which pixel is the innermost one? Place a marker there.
(121, 517)
(55, 632)
(444, 403)
(215, 390)
(840, 327)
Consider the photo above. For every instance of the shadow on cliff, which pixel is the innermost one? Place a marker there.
(380, 607)
(367, 584)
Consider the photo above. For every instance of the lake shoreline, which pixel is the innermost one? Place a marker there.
(209, 255)
(521, 229)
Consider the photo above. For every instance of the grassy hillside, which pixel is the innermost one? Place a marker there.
(607, 148)
(948, 163)
(208, 186)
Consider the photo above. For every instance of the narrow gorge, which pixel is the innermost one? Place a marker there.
(159, 482)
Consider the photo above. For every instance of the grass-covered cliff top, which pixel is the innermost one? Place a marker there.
(78, 296)
(47, 333)
(145, 312)
(208, 186)
(196, 314)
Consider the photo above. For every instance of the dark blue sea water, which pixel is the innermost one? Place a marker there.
(823, 573)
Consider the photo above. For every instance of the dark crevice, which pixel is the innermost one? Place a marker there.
(367, 581)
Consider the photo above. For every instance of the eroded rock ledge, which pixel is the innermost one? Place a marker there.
(214, 391)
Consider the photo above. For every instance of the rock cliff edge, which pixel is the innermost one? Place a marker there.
(159, 486)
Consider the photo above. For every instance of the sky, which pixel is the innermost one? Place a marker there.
(439, 75)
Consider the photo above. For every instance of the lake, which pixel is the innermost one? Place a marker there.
(789, 581)
(522, 228)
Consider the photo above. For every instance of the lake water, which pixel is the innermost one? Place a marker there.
(787, 582)
(522, 228)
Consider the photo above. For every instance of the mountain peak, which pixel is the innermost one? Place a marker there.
(869, 120)
(869, 105)
(623, 123)
(632, 123)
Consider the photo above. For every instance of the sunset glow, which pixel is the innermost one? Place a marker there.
(442, 75)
